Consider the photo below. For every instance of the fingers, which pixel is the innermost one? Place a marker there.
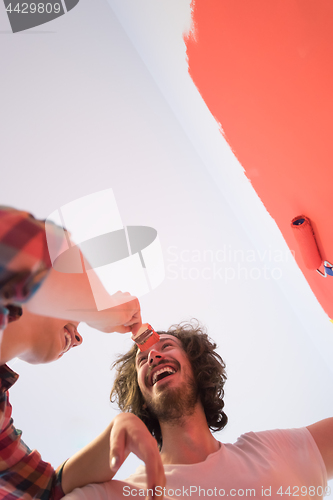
(136, 316)
(129, 434)
(117, 448)
(121, 329)
(122, 298)
(129, 307)
(144, 446)
(154, 468)
(135, 320)
(121, 317)
(136, 327)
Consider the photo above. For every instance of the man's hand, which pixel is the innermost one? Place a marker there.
(99, 461)
(129, 434)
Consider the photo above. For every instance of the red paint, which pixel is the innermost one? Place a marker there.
(265, 70)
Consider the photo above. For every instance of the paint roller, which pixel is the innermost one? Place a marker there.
(308, 246)
(306, 240)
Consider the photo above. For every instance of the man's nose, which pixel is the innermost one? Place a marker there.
(153, 356)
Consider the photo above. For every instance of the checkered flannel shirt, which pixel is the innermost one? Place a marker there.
(24, 259)
(24, 263)
(23, 474)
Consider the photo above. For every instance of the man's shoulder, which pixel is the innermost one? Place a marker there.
(276, 440)
(273, 435)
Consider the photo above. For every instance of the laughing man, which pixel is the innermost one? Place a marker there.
(172, 398)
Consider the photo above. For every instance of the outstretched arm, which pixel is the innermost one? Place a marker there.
(69, 295)
(322, 433)
(99, 461)
(26, 265)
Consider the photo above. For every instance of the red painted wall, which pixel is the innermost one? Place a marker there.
(265, 70)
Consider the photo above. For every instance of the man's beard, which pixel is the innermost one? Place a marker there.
(173, 404)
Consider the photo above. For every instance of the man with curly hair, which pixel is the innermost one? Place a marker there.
(171, 397)
(172, 404)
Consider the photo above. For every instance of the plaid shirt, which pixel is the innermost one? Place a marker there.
(23, 474)
(24, 258)
(24, 263)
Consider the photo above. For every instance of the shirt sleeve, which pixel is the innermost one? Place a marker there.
(23, 474)
(297, 449)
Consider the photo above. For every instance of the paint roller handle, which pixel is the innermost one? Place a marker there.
(307, 243)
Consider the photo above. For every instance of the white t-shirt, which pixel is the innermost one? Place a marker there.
(278, 465)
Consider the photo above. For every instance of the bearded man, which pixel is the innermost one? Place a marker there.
(172, 398)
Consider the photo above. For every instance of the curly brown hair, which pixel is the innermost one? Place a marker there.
(208, 369)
